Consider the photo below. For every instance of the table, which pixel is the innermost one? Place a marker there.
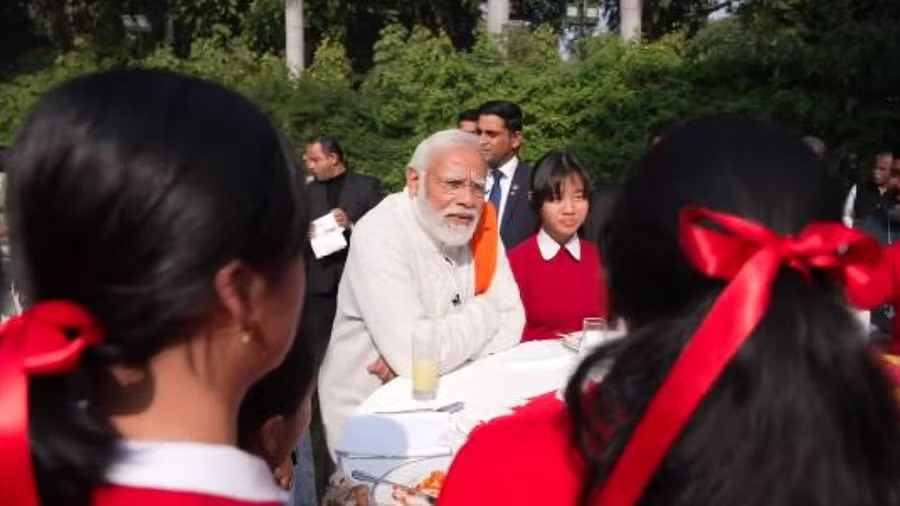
(489, 387)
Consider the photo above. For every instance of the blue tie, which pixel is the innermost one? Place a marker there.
(496, 194)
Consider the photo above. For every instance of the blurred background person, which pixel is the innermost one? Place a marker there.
(277, 410)
(468, 121)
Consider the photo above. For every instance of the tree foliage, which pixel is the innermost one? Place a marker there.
(660, 17)
(825, 72)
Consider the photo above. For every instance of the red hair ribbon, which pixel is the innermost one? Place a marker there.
(48, 339)
(749, 255)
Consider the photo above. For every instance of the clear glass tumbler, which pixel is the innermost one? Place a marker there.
(426, 360)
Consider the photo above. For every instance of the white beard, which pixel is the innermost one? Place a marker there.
(435, 225)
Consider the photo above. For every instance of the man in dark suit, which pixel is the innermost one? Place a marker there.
(509, 180)
(347, 196)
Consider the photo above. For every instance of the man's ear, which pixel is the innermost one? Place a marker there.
(516, 139)
(413, 181)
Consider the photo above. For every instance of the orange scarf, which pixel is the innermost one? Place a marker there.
(891, 366)
(484, 246)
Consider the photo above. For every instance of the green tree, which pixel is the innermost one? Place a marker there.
(661, 17)
(358, 24)
(16, 31)
(539, 12)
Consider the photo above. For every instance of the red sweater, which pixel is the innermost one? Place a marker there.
(113, 495)
(525, 458)
(558, 294)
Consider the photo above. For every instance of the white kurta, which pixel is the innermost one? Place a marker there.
(397, 277)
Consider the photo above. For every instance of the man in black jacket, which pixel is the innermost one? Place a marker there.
(347, 196)
(509, 180)
(870, 200)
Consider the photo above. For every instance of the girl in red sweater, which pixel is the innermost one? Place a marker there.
(560, 276)
(745, 379)
(158, 235)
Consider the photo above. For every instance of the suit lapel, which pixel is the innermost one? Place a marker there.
(517, 191)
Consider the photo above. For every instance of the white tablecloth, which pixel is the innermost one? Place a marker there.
(489, 387)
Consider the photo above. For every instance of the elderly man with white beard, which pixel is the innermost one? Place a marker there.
(427, 257)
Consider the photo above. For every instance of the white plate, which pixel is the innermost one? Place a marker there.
(410, 473)
(400, 435)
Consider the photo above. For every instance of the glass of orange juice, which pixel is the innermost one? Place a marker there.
(426, 359)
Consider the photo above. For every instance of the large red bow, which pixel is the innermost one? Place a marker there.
(47, 339)
(750, 255)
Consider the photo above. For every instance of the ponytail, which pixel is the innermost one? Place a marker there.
(51, 446)
(803, 413)
(71, 447)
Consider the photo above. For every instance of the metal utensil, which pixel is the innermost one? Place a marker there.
(453, 407)
(363, 476)
(372, 456)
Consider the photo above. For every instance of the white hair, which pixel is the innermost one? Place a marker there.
(437, 142)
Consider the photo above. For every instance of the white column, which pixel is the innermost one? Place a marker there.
(293, 27)
(630, 19)
(497, 15)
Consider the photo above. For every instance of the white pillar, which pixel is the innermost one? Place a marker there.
(293, 27)
(630, 19)
(497, 16)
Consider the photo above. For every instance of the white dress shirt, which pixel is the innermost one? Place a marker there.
(399, 279)
(849, 204)
(508, 170)
(549, 247)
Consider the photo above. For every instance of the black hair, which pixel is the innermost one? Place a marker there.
(329, 144)
(548, 175)
(510, 112)
(467, 115)
(882, 153)
(281, 391)
(128, 191)
(803, 414)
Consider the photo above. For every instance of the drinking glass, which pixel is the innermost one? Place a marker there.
(425, 368)
(593, 334)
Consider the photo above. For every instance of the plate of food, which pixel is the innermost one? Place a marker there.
(426, 475)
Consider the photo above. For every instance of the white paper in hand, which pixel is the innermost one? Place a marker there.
(328, 236)
(326, 244)
(324, 224)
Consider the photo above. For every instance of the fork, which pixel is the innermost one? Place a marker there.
(453, 407)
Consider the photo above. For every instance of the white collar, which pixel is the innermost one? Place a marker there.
(509, 168)
(549, 247)
(182, 466)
